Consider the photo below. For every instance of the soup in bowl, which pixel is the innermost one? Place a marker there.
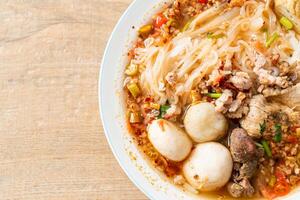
(211, 96)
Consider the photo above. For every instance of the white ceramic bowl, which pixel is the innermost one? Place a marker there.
(137, 168)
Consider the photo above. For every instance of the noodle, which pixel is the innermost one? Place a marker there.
(186, 54)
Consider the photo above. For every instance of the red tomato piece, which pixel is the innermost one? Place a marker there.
(292, 139)
(280, 176)
(203, 1)
(294, 128)
(148, 99)
(281, 188)
(160, 20)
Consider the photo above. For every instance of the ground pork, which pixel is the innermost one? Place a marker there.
(241, 80)
(214, 76)
(242, 111)
(237, 102)
(223, 102)
(232, 108)
(275, 58)
(266, 78)
(269, 91)
(269, 77)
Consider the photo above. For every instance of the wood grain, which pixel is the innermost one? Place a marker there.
(51, 140)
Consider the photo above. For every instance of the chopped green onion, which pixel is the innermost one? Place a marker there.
(134, 89)
(214, 95)
(259, 145)
(132, 69)
(212, 36)
(163, 110)
(146, 29)
(134, 117)
(286, 23)
(187, 25)
(262, 127)
(272, 39)
(155, 106)
(195, 96)
(298, 158)
(266, 148)
(264, 30)
(272, 181)
(278, 135)
(171, 22)
(298, 132)
(209, 35)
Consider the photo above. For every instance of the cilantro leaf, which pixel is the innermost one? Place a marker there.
(163, 110)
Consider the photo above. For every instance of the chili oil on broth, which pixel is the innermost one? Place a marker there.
(148, 98)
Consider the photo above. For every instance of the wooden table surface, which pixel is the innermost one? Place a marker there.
(52, 144)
